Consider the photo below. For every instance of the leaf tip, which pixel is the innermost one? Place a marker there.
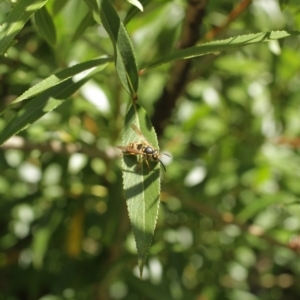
(137, 4)
(141, 262)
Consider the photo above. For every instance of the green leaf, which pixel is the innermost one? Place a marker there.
(137, 4)
(59, 77)
(57, 6)
(40, 105)
(141, 186)
(152, 291)
(124, 54)
(43, 234)
(262, 202)
(93, 6)
(45, 26)
(16, 20)
(87, 21)
(133, 10)
(222, 45)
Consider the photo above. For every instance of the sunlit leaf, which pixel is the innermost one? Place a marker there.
(84, 24)
(16, 20)
(124, 54)
(40, 105)
(222, 45)
(59, 77)
(134, 10)
(137, 4)
(45, 25)
(141, 185)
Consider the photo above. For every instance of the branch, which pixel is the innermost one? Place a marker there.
(228, 218)
(57, 147)
(234, 14)
(181, 69)
(254, 230)
(190, 35)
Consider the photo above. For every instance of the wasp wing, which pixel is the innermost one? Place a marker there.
(138, 132)
(129, 150)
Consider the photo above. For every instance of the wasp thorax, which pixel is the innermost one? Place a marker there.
(143, 149)
(149, 150)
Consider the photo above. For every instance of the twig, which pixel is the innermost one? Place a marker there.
(229, 218)
(20, 143)
(181, 69)
(234, 14)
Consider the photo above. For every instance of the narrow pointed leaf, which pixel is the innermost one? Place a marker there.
(16, 20)
(57, 6)
(40, 105)
(59, 77)
(134, 10)
(86, 22)
(222, 45)
(141, 185)
(93, 6)
(125, 61)
(137, 4)
(45, 26)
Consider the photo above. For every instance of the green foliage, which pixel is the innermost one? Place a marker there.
(221, 223)
(45, 26)
(123, 50)
(16, 19)
(141, 184)
(223, 45)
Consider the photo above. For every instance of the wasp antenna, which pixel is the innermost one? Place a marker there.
(163, 165)
(166, 154)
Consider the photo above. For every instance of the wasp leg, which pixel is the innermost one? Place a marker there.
(147, 162)
(139, 165)
(142, 158)
(139, 161)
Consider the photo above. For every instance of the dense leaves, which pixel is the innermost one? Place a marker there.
(124, 55)
(225, 224)
(16, 19)
(141, 180)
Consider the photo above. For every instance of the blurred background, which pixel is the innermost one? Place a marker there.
(229, 220)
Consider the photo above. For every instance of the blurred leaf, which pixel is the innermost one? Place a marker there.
(40, 245)
(134, 10)
(234, 135)
(16, 19)
(285, 3)
(92, 4)
(42, 236)
(259, 203)
(152, 292)
(141, 186)
(86, 22)
(45, 25)
(111, 219)
(58, 5)
(223, 45)
(75, 233)
(45, 102)
(124, 54)
(137, 4)
(60, 77)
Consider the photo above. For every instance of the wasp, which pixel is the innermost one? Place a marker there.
(143, 149)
